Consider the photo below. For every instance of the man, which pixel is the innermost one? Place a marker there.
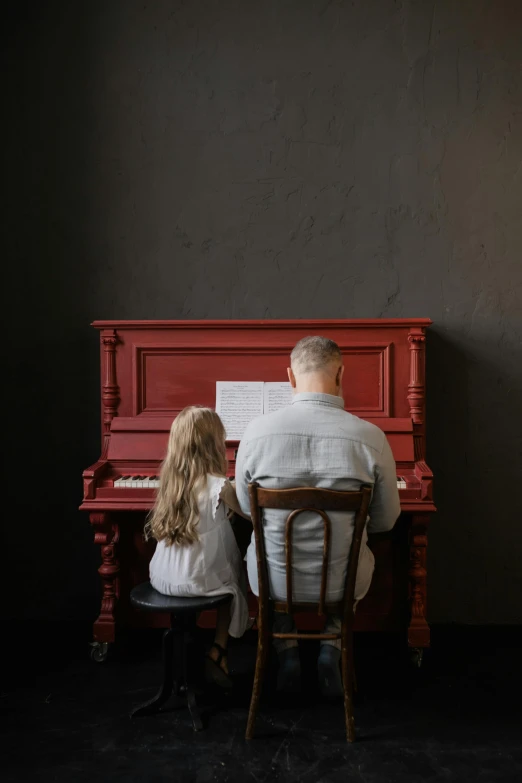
(316, 443)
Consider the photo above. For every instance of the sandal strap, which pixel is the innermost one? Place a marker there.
(222, 653)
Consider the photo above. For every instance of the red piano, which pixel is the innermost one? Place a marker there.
(150, 370)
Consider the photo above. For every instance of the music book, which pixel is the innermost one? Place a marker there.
(238, 402)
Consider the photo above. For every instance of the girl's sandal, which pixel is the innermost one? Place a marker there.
(213, 671)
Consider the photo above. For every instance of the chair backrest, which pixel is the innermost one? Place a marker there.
(320, 501)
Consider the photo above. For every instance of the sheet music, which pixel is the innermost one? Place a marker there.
(276, 395)
(237, 403)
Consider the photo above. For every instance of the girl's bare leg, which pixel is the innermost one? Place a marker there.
(221, 637)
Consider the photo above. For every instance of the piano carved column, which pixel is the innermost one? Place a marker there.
(416, 390)
(107, 535)
(418, 629)
(110, 388)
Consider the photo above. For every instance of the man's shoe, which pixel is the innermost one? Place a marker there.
(289, 675)
(328, 667)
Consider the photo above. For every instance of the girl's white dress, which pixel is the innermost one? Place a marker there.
(210, 566)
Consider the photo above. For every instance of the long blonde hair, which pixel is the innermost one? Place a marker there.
(196, 447)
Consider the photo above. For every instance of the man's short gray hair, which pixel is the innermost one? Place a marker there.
(314, 353)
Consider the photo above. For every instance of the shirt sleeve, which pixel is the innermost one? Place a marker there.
(229, 498)
(217, 484)
(385, 506)
(243, 477)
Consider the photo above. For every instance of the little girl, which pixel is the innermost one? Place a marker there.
(196, 552)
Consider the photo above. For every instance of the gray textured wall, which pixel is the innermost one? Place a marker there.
(285, 158)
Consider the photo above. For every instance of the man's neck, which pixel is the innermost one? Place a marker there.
(317, 387)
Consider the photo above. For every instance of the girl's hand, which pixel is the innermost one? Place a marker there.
(229, 498)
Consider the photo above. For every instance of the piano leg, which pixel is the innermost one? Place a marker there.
(418, 630)
(106, 533)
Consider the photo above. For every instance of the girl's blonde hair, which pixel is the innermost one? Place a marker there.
(196, 447)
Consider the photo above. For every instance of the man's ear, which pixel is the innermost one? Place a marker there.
(291, 377)
(339, 376)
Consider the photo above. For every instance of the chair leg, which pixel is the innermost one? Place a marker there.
(261, 658)
(165, 690)
(348, 673)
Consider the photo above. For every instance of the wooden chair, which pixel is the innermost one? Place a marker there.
(297, 501)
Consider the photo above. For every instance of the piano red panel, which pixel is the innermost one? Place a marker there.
(168, 378)
(146, 438)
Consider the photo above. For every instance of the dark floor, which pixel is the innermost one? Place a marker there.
(458, 718)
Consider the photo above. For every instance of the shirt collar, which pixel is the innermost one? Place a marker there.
(319, 399)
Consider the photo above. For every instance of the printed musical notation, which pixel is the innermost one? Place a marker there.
(276, 395)
(238, 402)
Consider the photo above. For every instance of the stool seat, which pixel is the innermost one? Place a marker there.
(144, 596)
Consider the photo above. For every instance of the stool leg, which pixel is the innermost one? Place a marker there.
(193, 709)
(165, 690)
(184, 686)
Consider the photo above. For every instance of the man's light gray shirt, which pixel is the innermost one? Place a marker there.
(314, 442)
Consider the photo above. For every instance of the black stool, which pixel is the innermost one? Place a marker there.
(183, 616)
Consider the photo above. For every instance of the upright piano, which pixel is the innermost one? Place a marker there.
(150, 370)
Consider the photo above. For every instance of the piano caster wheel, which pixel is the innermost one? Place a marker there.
(416, 655)
(99, 651)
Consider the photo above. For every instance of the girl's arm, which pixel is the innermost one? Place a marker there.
(229, 498)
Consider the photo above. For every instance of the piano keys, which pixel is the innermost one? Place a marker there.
(150, 370)
(152, 482)
(136, 482)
